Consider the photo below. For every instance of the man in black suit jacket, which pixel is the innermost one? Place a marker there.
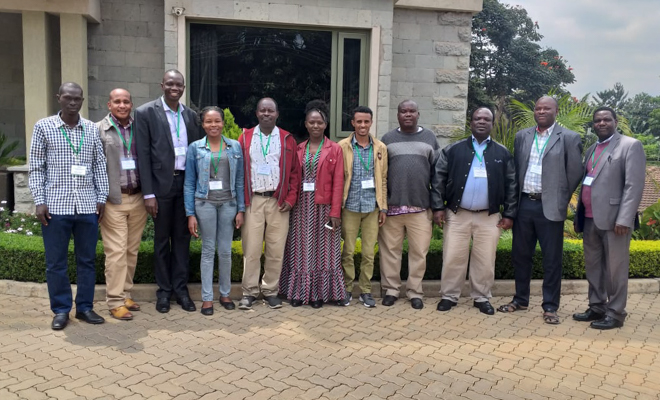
(164, 128)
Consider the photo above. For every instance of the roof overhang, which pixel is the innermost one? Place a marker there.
(469, 6)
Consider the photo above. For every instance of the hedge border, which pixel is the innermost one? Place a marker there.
(22, 258)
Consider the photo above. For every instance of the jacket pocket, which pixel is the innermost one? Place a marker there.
(615, 201)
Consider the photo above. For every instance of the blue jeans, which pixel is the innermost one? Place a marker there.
(56, 235)
(216, 227)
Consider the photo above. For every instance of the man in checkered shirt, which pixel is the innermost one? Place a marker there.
(69, 185)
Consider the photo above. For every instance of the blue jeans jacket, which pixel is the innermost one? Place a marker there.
(198, 163)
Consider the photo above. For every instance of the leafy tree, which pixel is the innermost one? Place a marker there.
(231, 130)
(507, 61)
(642, 114)
(616, 98)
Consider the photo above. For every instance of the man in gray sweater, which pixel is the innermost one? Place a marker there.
(412, 152)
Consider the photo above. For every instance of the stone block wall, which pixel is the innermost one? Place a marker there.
(12, 101)
(430, 61)
(125, 50)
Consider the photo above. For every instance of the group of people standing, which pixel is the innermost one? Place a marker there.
(295, 203)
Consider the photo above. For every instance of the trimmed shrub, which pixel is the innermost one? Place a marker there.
(22, 258)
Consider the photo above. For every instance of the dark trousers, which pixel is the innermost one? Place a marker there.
(172, 243)
(529, 226)
(56, 235)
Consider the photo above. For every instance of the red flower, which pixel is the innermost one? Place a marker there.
(483, 29)
(651, 222)
(544, 63)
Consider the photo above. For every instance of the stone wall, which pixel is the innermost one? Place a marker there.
(125, 50)
(430, 62)
(12, 101)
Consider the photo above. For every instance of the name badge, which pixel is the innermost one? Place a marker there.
(587, 180)
(215, 185)
(263, 169)
(78, 170)
(368, 184)
(480, 173)
(308, 186)
(536, 169)
(179, 151)
(127, 163)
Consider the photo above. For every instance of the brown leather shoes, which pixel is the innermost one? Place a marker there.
(131, 305)
(121, 313)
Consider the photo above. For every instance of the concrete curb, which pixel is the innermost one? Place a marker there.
(147, 292)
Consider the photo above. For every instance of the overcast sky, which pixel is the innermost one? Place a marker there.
(605, 41)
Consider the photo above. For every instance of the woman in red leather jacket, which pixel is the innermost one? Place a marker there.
(311, 272)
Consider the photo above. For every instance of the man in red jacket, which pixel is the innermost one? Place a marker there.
(272, 178)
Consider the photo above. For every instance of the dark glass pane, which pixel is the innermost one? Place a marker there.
(235, 66)
(351, 82)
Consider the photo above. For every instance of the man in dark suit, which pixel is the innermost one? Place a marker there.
(549, 166)
(164, 128)
(614, 172)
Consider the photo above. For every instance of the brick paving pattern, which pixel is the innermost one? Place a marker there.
(332, 353)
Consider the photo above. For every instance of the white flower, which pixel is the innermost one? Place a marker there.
(22, 219)
(2, 209)
(34, 223)
(20, 228)
(29, 233)
(10, 231)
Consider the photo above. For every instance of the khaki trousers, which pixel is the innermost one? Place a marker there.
(351, 222)
(459, 230)
(418, 228)
(264, 222)
(121, 230)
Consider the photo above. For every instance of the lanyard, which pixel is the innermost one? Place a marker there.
(264, 151)
(82, 138)
(368, 163)
(215, 163)
(476, 153)
(316, 155)
(130, 140)
(537, 146)
(593, 166)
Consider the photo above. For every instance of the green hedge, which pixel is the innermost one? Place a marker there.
(22, 259)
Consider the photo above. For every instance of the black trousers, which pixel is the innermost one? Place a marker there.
(172, 243)
(529, 226)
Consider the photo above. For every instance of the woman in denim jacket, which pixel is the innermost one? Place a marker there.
(215, 202)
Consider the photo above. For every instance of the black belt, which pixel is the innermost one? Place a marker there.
(178, 172)
(533, 196)
(131, 191)
(264, 194)
(472, 211)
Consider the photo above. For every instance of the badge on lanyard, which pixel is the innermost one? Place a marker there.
(368, 183)
(480, 172)
(179, 151)
(215, 185)
(308, 186)
(588, 180)
(537, 169)
(127, 164)
(78, 170)
(263, 169)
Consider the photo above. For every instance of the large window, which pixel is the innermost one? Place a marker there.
(234, 66)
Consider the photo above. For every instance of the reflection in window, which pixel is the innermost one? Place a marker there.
(351, 82)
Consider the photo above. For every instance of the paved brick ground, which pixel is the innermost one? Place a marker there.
(332, 353)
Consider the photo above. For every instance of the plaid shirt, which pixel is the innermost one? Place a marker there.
(51, 158)
(361, 200)
(532, 182)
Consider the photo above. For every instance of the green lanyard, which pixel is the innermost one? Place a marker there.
(316, 155)
(216, 163)
(264, 151)
(130, 140)
(82, 138)
(537, 146)
(366, 165)
(593, 166)
(178, 123)
(476, 153)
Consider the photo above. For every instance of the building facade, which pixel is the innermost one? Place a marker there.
(347, 52)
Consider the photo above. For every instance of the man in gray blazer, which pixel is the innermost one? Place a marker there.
(548, 164)
(614, 172)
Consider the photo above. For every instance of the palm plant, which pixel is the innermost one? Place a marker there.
(6, 148)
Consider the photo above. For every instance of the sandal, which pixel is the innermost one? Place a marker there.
(121, 313)
(550, 317)
(511, 307)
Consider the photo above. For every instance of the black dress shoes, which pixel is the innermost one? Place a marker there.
(90, 317)
(589, 315)
(416, 303)
(316, 303)
(607, 323)
(186, 304)
(446, 305)
(389, 300)
(296, 303)
(60, 321)
(228, 305)
(163, 305)
(207, 311)
(485, 307)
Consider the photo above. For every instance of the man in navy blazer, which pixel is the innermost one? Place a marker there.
(548, 161)
(614, 171)
(164, 128)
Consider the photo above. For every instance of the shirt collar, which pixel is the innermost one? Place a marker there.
(547, 132)
(354, 141)
(257, 130)
(474, 140)
(419, 128)
(606, 140)
(167, 108)
(116, 121)
(59, 115)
